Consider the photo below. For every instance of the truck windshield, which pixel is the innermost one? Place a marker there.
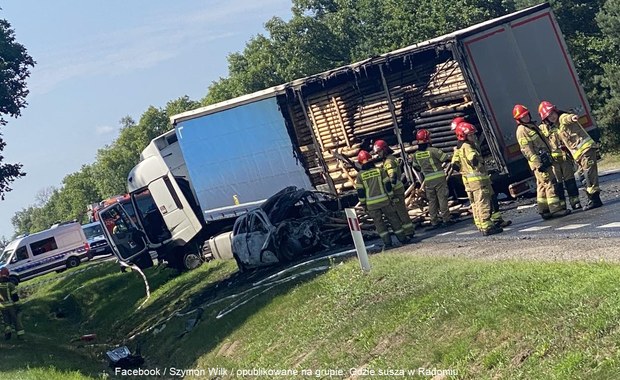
(4, 256)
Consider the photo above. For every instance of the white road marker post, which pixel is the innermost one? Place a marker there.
(358, 239)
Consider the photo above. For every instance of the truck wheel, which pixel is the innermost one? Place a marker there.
(72, 262)
(14, 280)
(191, 260)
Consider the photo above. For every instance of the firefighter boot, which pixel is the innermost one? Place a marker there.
(492, 231)
(560, 213)
(502, 223)
(594, 201)
(546, 215)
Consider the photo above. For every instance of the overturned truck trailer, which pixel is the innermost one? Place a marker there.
(479, 72)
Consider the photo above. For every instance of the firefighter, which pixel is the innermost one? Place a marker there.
(579, 144)
(496, 215)
(392, 168)
(9, 304)
(536, 149)
(468, 160)
(374, 189)
(563, 167)
(429, 160)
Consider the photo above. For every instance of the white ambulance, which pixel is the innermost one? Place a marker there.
(64, 245)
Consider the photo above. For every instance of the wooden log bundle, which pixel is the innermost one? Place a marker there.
(344, 117)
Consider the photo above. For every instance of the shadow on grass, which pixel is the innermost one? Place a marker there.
(105, 302)
(101, 300)
(219, 310)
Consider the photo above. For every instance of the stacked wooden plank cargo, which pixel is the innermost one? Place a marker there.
(352, 114)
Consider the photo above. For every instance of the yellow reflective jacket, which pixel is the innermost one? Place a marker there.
(374, 188)
(572, 134)
(429, 162)
(555, 143)
(392, 169)
(471, 165)
(531, 141)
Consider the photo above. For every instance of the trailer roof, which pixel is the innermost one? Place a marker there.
(357, 66)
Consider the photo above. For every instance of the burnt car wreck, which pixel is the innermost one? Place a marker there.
(290, 224)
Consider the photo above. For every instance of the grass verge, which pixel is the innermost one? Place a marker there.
(476, 319)
(609, 161)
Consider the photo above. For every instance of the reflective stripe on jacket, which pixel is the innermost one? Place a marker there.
(555, 143)
(429, 162)
(572, 134)
(373, 188)
(392, 169)
(465, 156)
(531, 141)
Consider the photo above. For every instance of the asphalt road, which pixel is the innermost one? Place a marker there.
(603, 222)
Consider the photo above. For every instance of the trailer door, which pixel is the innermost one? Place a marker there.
(524, 61)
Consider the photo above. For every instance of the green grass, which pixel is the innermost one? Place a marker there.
(484, 320)
(609, 161)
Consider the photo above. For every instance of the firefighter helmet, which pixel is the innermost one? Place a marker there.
(545, 108)
(455, 122)
(423, 136)
(363, 157)
(380, 145)
(4, 272)
(463, 130)
(519, 111)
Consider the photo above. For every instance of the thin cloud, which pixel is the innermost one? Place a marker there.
(104, 130)
(156, 40)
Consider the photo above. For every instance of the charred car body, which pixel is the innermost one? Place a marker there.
(290, 224)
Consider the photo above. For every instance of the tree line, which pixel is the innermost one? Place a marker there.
(323, 34)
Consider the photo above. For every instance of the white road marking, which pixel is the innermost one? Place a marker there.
(507, 228)
(526, 206)
(532, 229)
(468, 232)
(610, 225)
(573, 226)
(446, 233)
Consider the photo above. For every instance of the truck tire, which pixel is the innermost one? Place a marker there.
(72, 262)
(183, 260)
(191, 260)
(14, 280)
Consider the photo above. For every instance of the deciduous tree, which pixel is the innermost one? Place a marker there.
(15, 64)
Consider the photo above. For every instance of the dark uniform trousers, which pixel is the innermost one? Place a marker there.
(11, 313)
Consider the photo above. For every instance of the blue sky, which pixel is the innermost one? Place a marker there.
(100, 61)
